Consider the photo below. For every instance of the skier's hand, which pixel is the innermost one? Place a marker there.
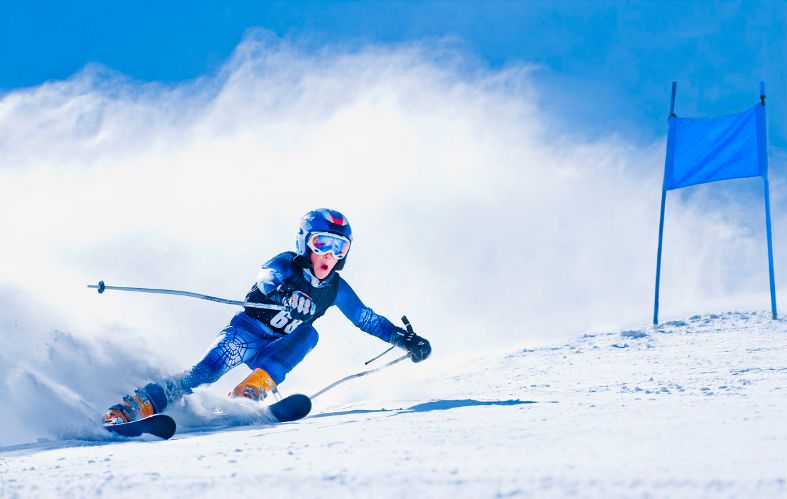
(298, 304)
(418, 347)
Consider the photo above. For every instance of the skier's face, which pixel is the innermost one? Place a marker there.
(322, 264)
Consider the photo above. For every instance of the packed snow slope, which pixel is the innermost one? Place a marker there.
(689, 409)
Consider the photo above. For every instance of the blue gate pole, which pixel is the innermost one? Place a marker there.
(763, 152)
(658, 258)
(770, 244)
(661, 218)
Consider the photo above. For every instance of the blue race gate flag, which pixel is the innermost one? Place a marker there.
(701, 150)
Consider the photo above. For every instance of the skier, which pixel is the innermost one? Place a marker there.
(272, 342)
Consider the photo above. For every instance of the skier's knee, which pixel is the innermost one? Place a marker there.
(311, 337)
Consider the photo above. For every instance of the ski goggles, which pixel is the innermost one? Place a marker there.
(325, 242)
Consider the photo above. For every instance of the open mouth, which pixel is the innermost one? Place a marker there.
(324, 266)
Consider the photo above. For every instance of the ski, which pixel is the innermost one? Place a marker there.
(289, 408)
(159, 425)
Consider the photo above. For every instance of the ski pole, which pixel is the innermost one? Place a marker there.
(409, 330)
(375, 358)
(358, 375)
(101, 287)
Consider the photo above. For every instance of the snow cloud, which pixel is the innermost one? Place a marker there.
(473, 213)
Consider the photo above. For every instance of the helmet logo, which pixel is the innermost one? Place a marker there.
(335, 217)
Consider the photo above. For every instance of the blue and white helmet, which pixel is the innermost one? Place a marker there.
(322, 220)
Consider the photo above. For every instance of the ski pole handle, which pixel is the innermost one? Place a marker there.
(407, 324)
(101, 287)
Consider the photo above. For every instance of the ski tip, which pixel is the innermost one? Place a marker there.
(167, 429)
(291, 408)
(300, 398)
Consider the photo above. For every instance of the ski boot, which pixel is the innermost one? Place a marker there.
(144, 402)
(256, 386)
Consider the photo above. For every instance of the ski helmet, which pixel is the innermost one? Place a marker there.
(322, 220)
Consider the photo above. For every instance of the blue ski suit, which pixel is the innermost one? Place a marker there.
(271, 339)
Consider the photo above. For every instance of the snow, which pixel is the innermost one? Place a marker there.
(694, 408)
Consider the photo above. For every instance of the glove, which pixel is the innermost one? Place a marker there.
(299, 305)
(418, 348)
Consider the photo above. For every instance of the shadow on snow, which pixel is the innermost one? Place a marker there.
(436, 405)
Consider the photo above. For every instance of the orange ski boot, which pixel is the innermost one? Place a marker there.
(139, 405)
(256, 386)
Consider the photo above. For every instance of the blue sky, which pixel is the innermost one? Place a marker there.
(390, 133)
(605, 67)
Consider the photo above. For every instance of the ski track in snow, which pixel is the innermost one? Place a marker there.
(695, 408)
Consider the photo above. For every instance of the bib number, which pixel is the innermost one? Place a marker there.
(282, 320)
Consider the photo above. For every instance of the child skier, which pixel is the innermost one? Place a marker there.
(272, 342)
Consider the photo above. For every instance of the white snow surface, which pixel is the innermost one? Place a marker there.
(693, 408)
